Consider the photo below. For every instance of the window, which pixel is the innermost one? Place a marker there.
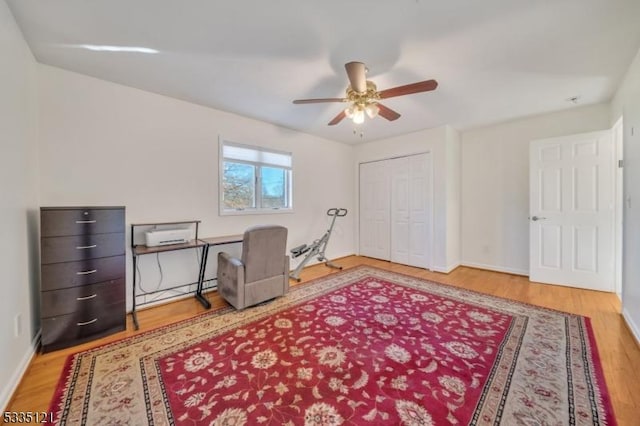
(254, 179)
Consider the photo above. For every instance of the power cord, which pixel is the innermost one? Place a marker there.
(160, 269)
(145, 291)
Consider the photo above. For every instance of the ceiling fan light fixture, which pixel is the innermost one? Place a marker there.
(372, 110)
(349, 111)
(358, 115)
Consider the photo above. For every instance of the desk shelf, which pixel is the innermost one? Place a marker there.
(141, 249)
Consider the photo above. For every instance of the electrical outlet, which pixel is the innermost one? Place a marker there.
(17, 323)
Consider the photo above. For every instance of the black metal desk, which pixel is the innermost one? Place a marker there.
(196, 243)
(211, 241)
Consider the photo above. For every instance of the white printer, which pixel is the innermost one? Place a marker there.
(163, 237)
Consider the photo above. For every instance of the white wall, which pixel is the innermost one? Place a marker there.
(626, 103)
(106, 144)
(495, 184)
(435, 141)
(454, 195)
(18, 205)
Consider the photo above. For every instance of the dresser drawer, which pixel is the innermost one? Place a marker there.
(81, 247)
(86, 299)
(56, 276)
(65, 222)
(65, 330)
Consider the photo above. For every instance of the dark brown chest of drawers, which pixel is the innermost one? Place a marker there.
(82, 274)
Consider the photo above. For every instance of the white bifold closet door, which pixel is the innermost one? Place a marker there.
(395, 210)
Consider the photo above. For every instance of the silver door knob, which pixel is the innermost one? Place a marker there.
(536, 218)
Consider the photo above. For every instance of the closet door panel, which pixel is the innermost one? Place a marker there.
(374, 210)
(420, 210)
(368, 226)
(400, 211)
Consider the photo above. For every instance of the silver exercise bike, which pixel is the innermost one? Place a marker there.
(318, 247)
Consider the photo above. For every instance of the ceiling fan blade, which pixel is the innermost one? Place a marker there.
(387, 113)
(338, 118)
(422, 86)
(356, 72)
(319, 100)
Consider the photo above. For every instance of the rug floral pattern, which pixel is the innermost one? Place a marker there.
(361, 347)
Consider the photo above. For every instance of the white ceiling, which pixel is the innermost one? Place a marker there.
(494, 59)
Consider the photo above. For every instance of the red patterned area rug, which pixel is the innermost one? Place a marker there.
(364, 346)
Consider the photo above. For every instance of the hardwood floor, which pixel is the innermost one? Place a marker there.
(618, 349)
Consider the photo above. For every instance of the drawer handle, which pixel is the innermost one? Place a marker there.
(87, 297)
(86, 247)
(93, 271)
(85, 221)
(87, 322)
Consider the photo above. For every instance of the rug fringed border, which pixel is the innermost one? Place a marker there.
(62, 385)
(604, 398)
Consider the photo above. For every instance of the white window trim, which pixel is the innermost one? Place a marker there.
(258, 210)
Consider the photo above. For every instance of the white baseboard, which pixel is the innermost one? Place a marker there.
(446, 269)
(295, 262)
(632, 325)
(496, 268)
(12, 385)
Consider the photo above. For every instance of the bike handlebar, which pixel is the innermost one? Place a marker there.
(336, 211)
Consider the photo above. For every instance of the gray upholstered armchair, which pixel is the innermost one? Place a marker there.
(263, 271)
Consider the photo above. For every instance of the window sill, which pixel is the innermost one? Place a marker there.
(253, 212)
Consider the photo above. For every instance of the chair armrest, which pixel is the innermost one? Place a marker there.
(286, 274)
(230, 276)
(227, 258)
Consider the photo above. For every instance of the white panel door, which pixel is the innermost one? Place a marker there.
(420, 207)
(572, 211)
(375, 221)
(400, 211)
